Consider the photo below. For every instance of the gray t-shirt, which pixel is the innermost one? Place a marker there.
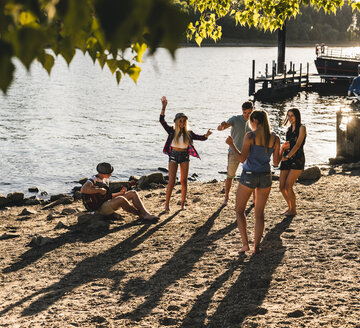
(239, 127)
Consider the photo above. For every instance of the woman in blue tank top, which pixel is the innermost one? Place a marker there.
(256, 152)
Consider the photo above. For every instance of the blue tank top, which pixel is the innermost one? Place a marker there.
(258, 160)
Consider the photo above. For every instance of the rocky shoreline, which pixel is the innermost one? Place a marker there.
(61, 267)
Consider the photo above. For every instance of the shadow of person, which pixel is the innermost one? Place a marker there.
(181, 263)
(248, 292)
(76, 233)
(89, 269)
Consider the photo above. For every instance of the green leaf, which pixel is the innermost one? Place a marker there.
(118, 76)
(7, 68)
(112, 64)
(134, 72)
(140, 49)
(47, 61)
(28, 44)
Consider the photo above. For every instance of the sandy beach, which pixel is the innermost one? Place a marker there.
(185, 270)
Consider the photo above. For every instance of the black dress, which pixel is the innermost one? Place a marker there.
(297, 161)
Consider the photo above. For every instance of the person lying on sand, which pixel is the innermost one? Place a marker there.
(96, 196)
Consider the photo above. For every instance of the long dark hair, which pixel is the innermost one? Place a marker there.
(297, 115)
(262, 117)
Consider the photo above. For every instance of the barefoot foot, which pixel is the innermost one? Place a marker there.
(150, 217)
(244, 249)
(225, 202)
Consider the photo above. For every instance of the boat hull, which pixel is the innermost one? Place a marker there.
(337, 67)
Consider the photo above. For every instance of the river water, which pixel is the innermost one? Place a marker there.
(54, 130)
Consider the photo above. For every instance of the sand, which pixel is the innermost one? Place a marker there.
(185, 270)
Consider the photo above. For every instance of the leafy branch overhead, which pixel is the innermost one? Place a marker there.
(105, 29)
(267, 15)
(116, 33)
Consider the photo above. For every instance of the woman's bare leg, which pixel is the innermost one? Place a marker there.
(184, 171)
(261, 197)
(242, 196)
(290, 181)
(282, 186)
(173, 166)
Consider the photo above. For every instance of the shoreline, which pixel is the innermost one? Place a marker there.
(185, 270)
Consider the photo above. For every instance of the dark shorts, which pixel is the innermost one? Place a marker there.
(179, 156)
(256, 180)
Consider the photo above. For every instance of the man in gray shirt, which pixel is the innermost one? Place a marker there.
(239, 127)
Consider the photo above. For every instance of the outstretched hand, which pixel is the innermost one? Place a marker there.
(229, 140)
(164, 102)
(208, 133)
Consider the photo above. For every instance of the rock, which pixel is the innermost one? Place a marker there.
(25, 211)
(33, 189)
(312, 173)
(65, 201)
(77, 195)
(296, 314)
(56, 197)
(83, 180)
(40, 241)
(32, 201)
(143, 182)
(154, 185)
(61, 225)
(337, 160)
(116, 186)
(50, 217)
(162, 169)
(67, 211)
(192, 179)
(3, 201)
(156, 177)
(43, 193)
(75, 189)
(8, 236)
(213, 181)
(196, 199)
(15, 198)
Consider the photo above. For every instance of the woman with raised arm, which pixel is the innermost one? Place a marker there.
(179, 147)
(293, 160)
(255, 155)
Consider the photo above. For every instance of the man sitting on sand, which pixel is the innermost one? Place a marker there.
(98, 197)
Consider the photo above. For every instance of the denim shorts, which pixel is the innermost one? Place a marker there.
(179, 156)
(256, 180)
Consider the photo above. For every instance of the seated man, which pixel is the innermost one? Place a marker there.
(97, 196)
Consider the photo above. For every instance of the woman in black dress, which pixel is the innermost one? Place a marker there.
(293, 158)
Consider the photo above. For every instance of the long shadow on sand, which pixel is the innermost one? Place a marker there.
(75, 234)
(88, 270)
(248, 292)
(178, 266)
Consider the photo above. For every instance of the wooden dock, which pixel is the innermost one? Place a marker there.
(273, 86)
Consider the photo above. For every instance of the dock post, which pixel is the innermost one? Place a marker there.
(273, 76)
(293, 73)
(307, 74)
(266, 70)
(284, 69)
(252, 80)
(300, 74)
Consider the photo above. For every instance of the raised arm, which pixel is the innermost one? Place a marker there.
(164, 104)
(300, 139)
(240, 156)
(168, 128)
